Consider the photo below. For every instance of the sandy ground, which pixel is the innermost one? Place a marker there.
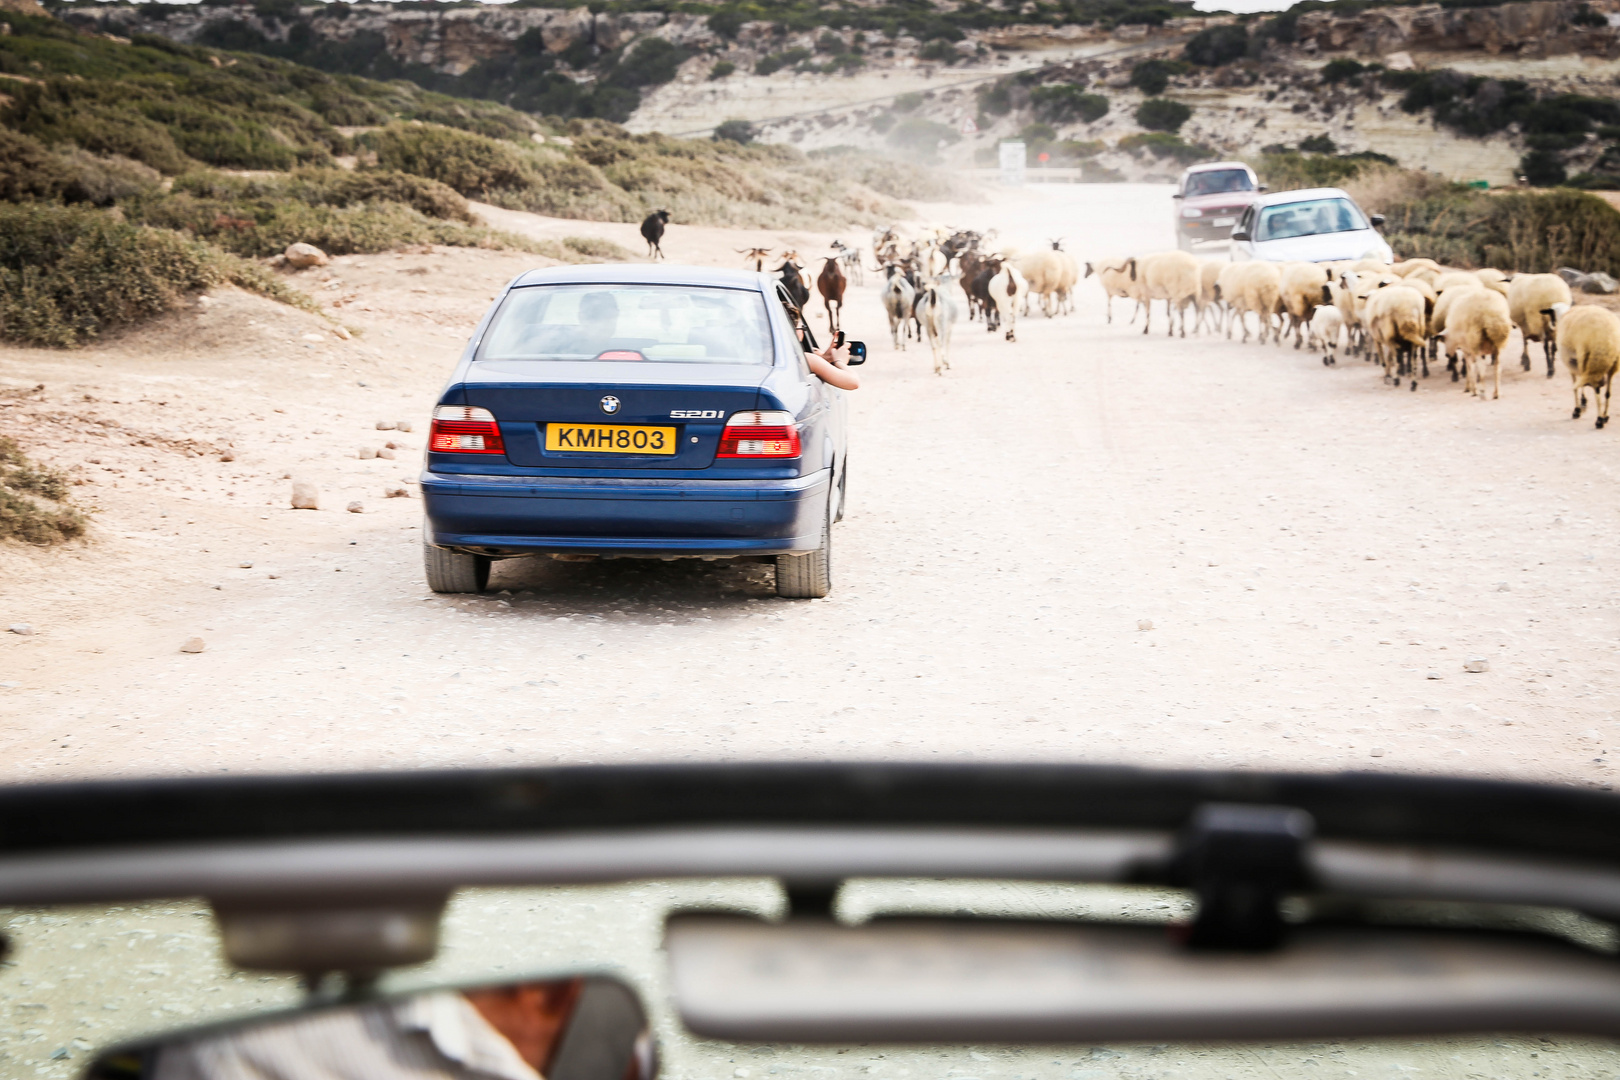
(1318, 556)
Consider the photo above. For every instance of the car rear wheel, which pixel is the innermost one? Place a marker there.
(807, 577)
(453, 572)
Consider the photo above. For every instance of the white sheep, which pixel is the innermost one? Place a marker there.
(1449, 278)
(1478, 328)
(1246, 287)
(1302, 285)
(1171, 276)
(1327, 325)
(1442, 310)
(1118, 279)
(1589, 342)
(1397, 324)
(1070, 275)
(1493, 278)
(1043, 269)
(1407, 267)
(1530, 297)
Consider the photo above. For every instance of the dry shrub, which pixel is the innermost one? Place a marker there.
(1521, 232)
(22, 484)
(1377, 187)
(69, 274)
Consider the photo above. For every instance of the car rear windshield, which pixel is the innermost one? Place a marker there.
(1217, 181)
(677, 324)
(1309, 219)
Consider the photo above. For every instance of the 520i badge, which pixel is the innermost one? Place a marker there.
(696, 414)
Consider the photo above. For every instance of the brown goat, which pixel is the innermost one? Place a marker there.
(830, 284)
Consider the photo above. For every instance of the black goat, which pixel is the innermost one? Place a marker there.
(652, 231)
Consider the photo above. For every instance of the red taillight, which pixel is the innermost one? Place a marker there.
(759, 434)
(465, 429)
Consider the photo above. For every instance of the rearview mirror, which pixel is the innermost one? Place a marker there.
(578, 1028)
(1178, 195)
(857, 353)
(1239, 234)
(1378, 221)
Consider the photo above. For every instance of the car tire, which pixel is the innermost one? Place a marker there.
(808, 576)
(452, 572)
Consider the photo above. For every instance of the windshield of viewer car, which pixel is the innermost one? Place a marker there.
(668, 323)
(1214, 183)
(1309, 219)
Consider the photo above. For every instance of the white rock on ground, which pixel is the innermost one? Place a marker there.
(367, 453)
(357, 507)
(22, 628)
(301, 256)
(305, 495)
(396, 491)
(194, 645)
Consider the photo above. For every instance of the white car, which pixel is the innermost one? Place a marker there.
(1308, 225)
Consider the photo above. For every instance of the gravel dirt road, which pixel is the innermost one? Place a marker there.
(1319, 558)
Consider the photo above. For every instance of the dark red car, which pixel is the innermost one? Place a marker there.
(1210, 200)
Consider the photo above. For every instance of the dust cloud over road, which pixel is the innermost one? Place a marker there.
(1319, 556)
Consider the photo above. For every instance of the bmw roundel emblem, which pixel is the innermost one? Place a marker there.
(610, 404)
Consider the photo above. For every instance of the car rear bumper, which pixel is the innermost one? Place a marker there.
(527, 515)
(1194, 229)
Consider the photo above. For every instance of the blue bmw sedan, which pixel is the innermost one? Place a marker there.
(635, 412)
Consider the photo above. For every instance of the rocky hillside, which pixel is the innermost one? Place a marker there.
(1128, 90)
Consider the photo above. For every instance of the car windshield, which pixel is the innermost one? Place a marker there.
(670, 323)
(1217, 181)
(1309, 219)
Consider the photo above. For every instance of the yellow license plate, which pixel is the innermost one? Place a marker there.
(610, 439)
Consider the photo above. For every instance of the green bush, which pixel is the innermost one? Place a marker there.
(727, 22)
(473, 165)
(29, 171)
(1162, 144)
(905, 103)
(1522, 232)
(768, 65)
(69, 274)
(721, 70)
(1217, 46)
(996, 99)
(1060, 103)
(1336, 71)
(1290, 169)
(1542, 168)
(737, 131)
(919, 136)
(22, 518)
(1152, 76)
(1318, 144)
(1162, 114)
(940, 50)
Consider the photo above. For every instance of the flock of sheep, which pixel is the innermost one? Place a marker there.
(1402, 315)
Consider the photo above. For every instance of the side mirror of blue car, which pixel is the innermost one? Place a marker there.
(857, 353)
